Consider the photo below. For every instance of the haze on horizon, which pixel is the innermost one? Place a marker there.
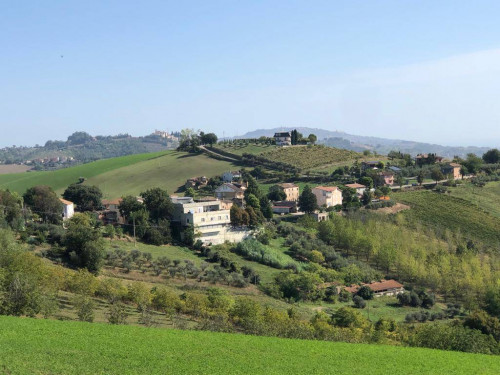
(424, 71)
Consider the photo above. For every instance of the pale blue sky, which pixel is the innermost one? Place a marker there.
(417, 70)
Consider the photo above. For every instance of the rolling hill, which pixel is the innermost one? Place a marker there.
(124, 175)
(31, 346)
(381, 145)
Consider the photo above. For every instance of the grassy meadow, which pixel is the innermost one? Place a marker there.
(124, 175)
(31, 346)
(486, 198)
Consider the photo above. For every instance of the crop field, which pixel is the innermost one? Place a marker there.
(486, 198)
(31, 346)
(443, 211)
(251, 148)
(125, 175)
(61, 178)
(168, 172)
(308, 157)
(13, 168)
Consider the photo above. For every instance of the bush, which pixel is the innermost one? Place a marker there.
(359, 302)
(365, 292)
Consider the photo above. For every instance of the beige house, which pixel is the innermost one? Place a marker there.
(283, 139)
(212, 223)
(452, 170)
(291, 191)
(327, 195)
(229, 191)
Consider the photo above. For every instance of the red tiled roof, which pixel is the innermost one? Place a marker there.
(115, 201)
(355, 186)
(64, 201)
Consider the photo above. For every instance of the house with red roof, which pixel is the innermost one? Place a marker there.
(380, 288)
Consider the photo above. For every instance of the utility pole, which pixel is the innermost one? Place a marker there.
(135, 242)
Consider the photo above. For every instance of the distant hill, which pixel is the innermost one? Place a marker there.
(81, 147)
(359, 143)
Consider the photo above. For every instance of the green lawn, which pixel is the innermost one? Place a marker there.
(442, 211)
(31, 346)
(61, 178)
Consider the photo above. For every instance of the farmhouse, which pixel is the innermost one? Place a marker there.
(452, 170)
(68, 209)
(388, 177)
(284, 207)
(373, 164)
(211, 223)
(327, 195)
(422, 159)
(360, 189)
(231, 176)
(230, 191)
(291, 191)
(283, 139)
(380, 288)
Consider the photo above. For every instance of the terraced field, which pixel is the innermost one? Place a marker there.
(31, 346)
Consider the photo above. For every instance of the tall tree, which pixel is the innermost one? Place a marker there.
(312, 138)
(86, 198)
(492, 156)
(44, 202)
(158, 204)
(308, 201)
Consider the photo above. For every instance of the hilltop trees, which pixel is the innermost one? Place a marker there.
(44, 202)
(86, 198)
(492, 156)
(10, 209)
(209, 138)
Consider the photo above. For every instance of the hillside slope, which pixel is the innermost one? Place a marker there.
(32, 346)
(124, 175)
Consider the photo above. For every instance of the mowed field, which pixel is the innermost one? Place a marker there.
(13, 168)
(443, 211)
(124, 175)
(31, 346)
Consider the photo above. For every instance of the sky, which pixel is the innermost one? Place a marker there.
(418, 70)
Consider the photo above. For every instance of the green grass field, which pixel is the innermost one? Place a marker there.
(125, 175)
(31, 346)
(443, 211)
(486, 198)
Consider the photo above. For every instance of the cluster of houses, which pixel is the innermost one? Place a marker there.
(52, 159)
(450, 170)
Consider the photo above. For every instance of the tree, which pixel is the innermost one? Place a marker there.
(79, 138)
(84, 244)
(43, 201)
(437, 175)
(366, 181)
(236, 216)
(367, 197)
(349, 318)
(308, 201)
(492, 156)
(420, 177)
(350, 199)
(265, 207)
(190, 192)
(473, 163)
(86, 198)
(253, 201)
(209, 138)
(276, 194)
(365, 292)
(11, 209)
(158, 204)
(359, 302)
(312, 138)
(400, 181)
